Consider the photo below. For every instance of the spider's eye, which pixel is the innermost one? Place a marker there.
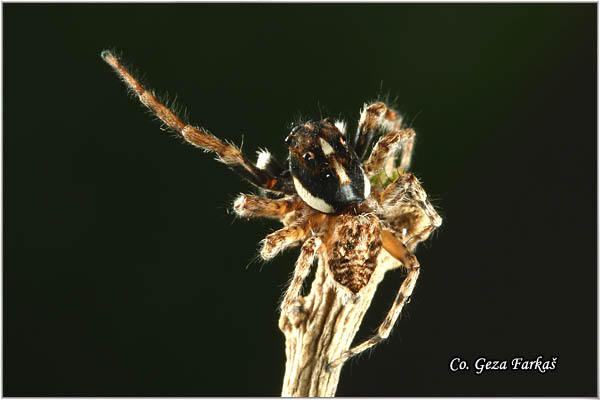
(308, 156)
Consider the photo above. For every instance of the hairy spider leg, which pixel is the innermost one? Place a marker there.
(384, 151)
(395, 192)
(370, 118)
(408, 144)
(395, 198)
(420, 197)
(379, 116)
(398, 250)
(247, 205)
(374, 117)
(383, 331)
(279, 240)
(303, 264)
(227, 153)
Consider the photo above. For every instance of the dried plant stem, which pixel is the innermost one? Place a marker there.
(323, 331)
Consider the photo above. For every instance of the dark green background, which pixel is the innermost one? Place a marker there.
(125, 273)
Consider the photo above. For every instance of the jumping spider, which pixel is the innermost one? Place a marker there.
(342, 210)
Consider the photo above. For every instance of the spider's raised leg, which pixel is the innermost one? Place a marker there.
(227, 153)
(303, 264)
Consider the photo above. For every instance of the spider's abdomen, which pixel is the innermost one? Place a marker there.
(352, 257)
(327, 174)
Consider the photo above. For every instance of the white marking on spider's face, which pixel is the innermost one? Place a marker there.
(341, 125)
(263, 159)
(314, 202)
(341, 173)
(326, 147)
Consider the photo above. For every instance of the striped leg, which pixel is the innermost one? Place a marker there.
(404, 293)
(384, 152)
(227, 153)
(247, 205)
(303, 264)
(373, 117)
(408, 145)
(420, 197)
(370, 118)
(396, 194)
(277, 241)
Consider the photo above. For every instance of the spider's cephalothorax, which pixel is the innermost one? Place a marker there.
(340, 210)
(326, 172)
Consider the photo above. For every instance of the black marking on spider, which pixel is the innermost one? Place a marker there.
(327, 173)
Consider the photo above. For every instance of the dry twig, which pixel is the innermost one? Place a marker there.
(323, 330)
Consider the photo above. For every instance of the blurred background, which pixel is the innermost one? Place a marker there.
(125, 273)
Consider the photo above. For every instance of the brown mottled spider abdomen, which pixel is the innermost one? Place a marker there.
(352, 255)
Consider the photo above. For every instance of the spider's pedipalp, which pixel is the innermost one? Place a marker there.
(226, 152)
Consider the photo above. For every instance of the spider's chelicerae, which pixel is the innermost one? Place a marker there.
(340, 209)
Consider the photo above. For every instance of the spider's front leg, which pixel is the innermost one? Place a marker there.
(227, 153)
